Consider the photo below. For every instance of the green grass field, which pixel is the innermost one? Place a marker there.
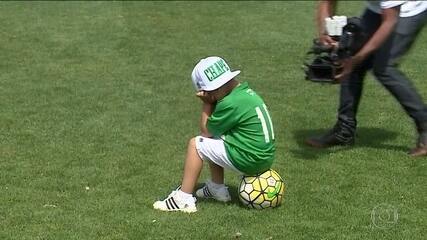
(97, 107)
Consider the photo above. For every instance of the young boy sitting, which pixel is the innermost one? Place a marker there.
(236, 133)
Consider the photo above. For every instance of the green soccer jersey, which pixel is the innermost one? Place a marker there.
(241, 119)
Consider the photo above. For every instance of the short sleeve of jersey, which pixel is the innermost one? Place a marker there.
(222, 119)
(391, 4)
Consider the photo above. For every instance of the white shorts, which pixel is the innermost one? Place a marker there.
(213, 149)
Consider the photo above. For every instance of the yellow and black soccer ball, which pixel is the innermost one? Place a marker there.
(264, 190)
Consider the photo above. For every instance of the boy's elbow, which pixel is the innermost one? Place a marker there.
(206, 133)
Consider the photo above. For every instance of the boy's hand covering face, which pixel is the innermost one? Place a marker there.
(205, 96)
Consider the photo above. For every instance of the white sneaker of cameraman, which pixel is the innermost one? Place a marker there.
(177, 201)
(218, 192)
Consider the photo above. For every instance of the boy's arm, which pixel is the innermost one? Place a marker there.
(207, 109)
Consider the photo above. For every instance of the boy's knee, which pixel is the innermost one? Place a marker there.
(192, 142)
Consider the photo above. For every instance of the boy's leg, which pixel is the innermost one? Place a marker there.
(192, 168)
(182, 199)
(213, 151)
(217, 173)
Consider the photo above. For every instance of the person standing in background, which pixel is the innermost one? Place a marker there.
(392, 27)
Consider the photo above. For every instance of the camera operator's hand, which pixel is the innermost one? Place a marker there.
(327, 41)
(347, 66)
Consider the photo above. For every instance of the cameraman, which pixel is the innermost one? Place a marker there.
(391, 27)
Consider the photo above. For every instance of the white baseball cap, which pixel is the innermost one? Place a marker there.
(211, 73)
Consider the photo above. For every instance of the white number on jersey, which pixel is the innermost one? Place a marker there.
(262, 114)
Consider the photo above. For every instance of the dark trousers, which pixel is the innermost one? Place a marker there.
(384, 64)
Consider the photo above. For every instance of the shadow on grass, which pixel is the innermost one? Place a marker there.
(365, 138)
(234, 193)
